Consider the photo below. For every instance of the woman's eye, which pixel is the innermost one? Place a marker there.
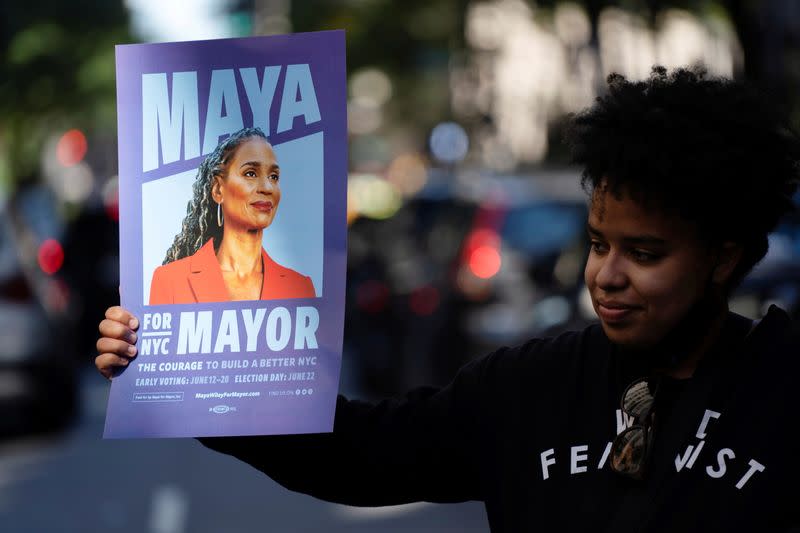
(597, 247)
(250, 173)
(274, 177)
(642, 256)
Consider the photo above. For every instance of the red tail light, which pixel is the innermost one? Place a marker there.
(372, 296)
(423, 301)
(482, 253)
(485, 261)
(51, 256)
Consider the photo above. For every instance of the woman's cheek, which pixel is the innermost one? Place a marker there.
(589, 273)
(666, 289)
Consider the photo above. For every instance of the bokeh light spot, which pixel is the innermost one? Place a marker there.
(57, 295)
(408, 174)
(372, 296)
(449, 142)
(51, 256)
(371, 87)
(71, 148)
(111, 198)
(484, 261)
(424, 300)
(373, 196)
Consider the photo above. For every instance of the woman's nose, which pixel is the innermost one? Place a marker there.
(266, 185)
(611, 274)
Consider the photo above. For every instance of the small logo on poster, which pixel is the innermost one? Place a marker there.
(221, 409)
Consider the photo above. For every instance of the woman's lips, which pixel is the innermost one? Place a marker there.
(614, 312)
(262, 206)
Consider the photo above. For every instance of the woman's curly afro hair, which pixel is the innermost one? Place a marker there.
(710, 150)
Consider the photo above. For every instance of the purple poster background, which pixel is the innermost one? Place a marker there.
(278, 382)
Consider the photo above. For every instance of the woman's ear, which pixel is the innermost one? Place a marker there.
(729, 255)
(216, 189)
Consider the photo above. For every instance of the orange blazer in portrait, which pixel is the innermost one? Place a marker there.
(198, 278)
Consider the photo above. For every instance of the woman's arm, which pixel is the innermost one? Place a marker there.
(424, 446)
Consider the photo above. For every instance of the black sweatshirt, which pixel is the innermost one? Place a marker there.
(527, 430)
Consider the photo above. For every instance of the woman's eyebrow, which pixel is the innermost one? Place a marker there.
(645, 239)
(593, 231)
(649, 240)
(258, 164)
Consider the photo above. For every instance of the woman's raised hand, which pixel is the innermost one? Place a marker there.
(116, 345)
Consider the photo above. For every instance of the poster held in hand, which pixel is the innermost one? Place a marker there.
(232, 197)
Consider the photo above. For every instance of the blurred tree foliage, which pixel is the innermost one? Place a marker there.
(413, 41)
(57, 73)
(395, 35)
(58, 59)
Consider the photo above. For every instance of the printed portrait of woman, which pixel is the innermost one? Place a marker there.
(218, 255)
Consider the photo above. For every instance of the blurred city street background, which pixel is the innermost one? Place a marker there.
(466, 221)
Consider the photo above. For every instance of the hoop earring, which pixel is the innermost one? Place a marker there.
(220, 220)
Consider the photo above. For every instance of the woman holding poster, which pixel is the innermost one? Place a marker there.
(672, 413)
(218, 255)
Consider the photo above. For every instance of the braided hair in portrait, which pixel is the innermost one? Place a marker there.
(201, 222)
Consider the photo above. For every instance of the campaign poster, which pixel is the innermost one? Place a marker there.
(232, 196)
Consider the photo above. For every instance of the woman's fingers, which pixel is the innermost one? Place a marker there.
(116, 345)
(108, 363)
(119, 324)
(117, 330)
(114, 354)
(123, 316)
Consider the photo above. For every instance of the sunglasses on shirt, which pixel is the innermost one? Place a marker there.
(631, 449)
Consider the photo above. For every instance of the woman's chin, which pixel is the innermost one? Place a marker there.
(628, 337)
(249, 226)
(262, 222)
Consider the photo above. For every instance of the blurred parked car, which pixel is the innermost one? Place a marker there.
(402, 318)
(91, 269)
(460, 269)
(541, 244)
(38, 385)
(776, 279)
